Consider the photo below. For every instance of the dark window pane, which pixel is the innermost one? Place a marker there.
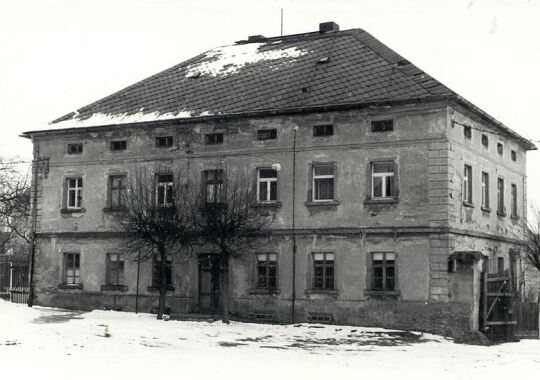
(377, 187)
(382, 125)
(263, 191)
(267, 173)
(389, 186)
(383, 167)
(273, 191)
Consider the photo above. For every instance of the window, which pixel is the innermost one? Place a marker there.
(115, 269)
(164, 190)
(513, 155)
(384, 271)
(382, 125)
(164, 141)
(72, 268)
(500, 196)
(266, 271)
(267, 185)
(500, 265)
(485, 140)
(500, 148)
(513, 206)
(267, 134)
(323, 182)
(213, 180)
(467, 132)
(74, 148)
(156, 272)
(323, 271)
(323, 130)
(467, 184)
(485, 190)
(74, 193)
(119, 145)
(213, 138)
(117, 190)
(382, 180)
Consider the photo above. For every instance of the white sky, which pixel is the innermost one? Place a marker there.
(59, 55)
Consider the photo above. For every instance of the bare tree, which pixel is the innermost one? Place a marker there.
(14, 204)
(530, 244)
(155, 214)
(228, 220)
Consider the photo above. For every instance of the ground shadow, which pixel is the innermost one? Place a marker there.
(58, 316)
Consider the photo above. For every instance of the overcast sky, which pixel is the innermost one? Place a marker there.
(59, 55)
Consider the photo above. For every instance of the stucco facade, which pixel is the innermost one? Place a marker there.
(422, 224)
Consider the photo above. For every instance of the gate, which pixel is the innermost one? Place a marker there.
(497, 312)
(526, 314)
(14, 281)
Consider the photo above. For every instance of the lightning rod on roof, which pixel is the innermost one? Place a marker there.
(281, 22)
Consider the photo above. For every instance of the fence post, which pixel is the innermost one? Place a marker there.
(10, 281)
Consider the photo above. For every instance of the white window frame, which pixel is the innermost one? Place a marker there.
(167, 186)
(269, 182)
(77, 190)
(323, 176)
(384, 176)
(467, 184)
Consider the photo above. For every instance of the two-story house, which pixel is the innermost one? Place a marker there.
(389, 191)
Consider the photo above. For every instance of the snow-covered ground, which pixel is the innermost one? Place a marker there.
(44, 343)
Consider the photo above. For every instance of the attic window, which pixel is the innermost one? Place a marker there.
(485, 140)
(119, 145)
(467, 132)
(513, 155)
(267, 134)
(164, 141)
(323, 130)
(193, 75)
(74, 148)
(500, 148)
(323, 60)
(382, 125)
(213, 138)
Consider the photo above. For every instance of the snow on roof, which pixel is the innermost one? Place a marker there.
(229, 59)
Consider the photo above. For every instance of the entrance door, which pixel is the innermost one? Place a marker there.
(209, 284)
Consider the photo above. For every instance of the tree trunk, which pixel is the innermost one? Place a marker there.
(163, 280)
(225, 286)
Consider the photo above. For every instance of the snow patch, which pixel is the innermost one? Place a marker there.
(225, 60)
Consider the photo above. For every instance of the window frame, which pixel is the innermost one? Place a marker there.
(122, 191)
(168, 190)
(485, 191)
(315, 178)
(485, 140)
(384, 179)
(164, 141)
(267, 266)
(78, 191)
(268, 182)
(513, 155)
(500, 197)
(324, 277)
(113, 266)
(467, 132)
(513, 201)
(374, 123)
(76, 276)
(384, 266)
(219, 183)
(272, 134)
(118, 145)
(467, 184)
(323, 130)
(155, 279)
(70, 148)
(500, 149)
(211, 138)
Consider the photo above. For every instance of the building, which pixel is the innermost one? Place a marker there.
(404, 192)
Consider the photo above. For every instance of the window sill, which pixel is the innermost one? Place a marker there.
(468, 204)
(275, 204)
(115, 209)
(322, 291)
(371, 201)
(122, 288)
(70, 286)
(72, 210)
(322, 203)
(501, 213)
(382, 293)
(486, 209)
(156, 289)
(264, 291)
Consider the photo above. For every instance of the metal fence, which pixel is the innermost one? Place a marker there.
(14, 281)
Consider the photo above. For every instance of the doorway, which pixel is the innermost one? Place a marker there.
(209, 284)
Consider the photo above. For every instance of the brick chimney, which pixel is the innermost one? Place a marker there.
(327, 27)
